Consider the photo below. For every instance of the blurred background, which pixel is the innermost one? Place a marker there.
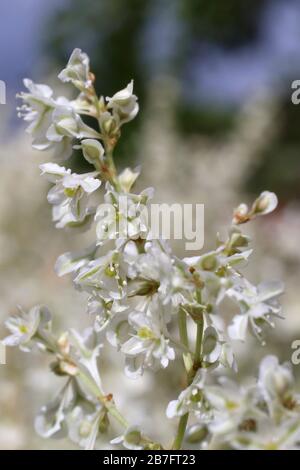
(216, 126)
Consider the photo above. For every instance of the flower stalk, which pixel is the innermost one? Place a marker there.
(139, 291)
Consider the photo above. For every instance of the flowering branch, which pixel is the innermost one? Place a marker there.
(139, 292)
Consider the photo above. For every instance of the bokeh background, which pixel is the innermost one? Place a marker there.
(216, 126)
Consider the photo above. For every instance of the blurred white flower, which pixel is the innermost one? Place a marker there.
(84, 426)
(53, 122)
(257, 304)
(232, 405)
(276, 386)
(71, 262)
(50, 421)
(70, 193)
(37, 109)
(26, 327)
(269, 435)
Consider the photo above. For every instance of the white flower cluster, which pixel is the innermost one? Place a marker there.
(261, 415)
(141, 296)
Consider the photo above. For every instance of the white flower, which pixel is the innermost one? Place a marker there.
(64, 218)
(84, 426)
(72, 261)
(104, 276)
(119, 330)
(232, 406)
(77, 70)
(53, 122)
(70, 194)
(274, 379)
(50, 421)
(190, 399)
(154, 271)
(104, 312)
(269, 435)
(124, 104)
(257, 305)
(37, 109)
(67, 123)
(132, 439)
(148, 346)
(123, 216)
(26, 327)
(276, 386)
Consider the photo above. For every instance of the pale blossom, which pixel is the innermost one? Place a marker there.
(124, 104)
(77, 70)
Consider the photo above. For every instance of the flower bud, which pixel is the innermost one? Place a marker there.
(265, 203)
(108, 124)
(196, 434)
(92, 151)
(127, 179)
(240, 214)
(63, 343)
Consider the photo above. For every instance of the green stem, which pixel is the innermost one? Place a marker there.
(198, 357)
(191, 366)
(182, 325)
(199, 337)
(88, 381)
(108, 404)
(180, 432)
(187, 359)
(112, 168)
(183, 328)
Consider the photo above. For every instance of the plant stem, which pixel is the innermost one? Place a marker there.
(187, 359)
(108, 404)
(182, 328)
(191, 367)
(112, 167)
(188, 365)
(197, 363)
(180, 432)
(197, 357)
